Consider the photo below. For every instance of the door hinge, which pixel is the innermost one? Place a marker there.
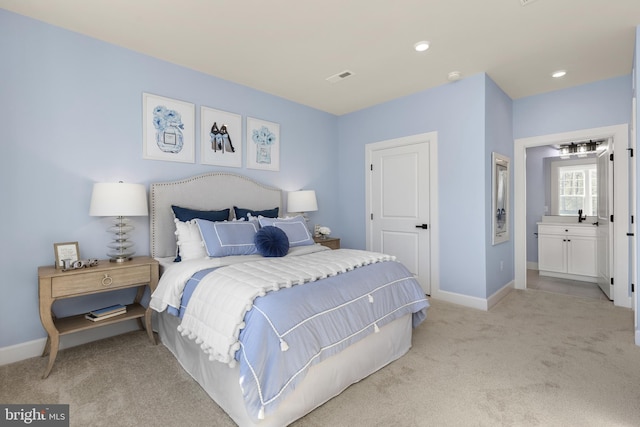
(611, 157)
(612, 281)
(371, 217)
(630, 152)
(372, 166)
(631, 219)
(611, 218)
(633, 289)
(630, 234)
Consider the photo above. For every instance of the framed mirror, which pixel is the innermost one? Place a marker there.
(500, 198)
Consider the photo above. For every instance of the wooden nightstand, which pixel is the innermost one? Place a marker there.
(330, 242)
(107, 276)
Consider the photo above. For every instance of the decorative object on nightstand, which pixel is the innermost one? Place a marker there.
(329, 242)
(302, 201)
(119, 200)
(106, 276)
(324, 232)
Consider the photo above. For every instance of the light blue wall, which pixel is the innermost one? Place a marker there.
(72, 116)
(456, 112)
(498, 138)
(537, 190)
(599, 104)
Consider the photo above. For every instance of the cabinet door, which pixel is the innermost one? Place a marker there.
(581, 256)
(551, 253)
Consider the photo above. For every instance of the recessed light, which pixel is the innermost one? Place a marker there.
(421, 46)
(558, 74)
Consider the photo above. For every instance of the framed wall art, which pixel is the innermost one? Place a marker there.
(168, 128)
(220, 138)
(66, 251)
(500, 198)
(263, 145)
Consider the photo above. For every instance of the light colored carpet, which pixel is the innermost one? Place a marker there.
(535, 359)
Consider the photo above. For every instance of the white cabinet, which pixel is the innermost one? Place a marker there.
(568, 251)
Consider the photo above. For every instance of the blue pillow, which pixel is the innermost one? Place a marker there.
(295, 229)
(242, 213)
(272, 242)
(186, 214)
(228, 238)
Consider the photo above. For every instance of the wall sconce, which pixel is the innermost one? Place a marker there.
(119, 200)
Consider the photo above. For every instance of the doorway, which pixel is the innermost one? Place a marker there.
(620, 269)
(401, 200)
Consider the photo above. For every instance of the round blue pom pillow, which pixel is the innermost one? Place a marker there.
(272, 242)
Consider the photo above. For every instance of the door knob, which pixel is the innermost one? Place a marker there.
(423, 226)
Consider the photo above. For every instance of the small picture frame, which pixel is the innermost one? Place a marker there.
(66, 251)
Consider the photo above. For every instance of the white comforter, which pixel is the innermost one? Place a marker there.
(215, 314)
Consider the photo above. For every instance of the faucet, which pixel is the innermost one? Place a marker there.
(580, 217)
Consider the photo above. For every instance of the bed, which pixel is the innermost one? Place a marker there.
(222, 362)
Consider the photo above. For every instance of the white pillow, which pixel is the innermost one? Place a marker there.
(189, 240)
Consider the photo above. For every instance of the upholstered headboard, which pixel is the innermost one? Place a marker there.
(211, 191)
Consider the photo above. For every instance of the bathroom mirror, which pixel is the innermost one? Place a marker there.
(500, 198)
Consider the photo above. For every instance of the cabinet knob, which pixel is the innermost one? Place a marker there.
(106, 280)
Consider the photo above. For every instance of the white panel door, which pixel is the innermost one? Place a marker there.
(400, 207)
(604, 246)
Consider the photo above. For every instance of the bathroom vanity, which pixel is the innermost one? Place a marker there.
(568, 250)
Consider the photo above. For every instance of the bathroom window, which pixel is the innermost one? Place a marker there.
(576, 185)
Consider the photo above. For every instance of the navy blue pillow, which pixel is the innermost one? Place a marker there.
(186, 214)
(272, 242)
(242, 213)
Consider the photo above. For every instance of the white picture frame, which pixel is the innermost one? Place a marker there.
(168, 129)
(225, 148)
(263, 145)
(500, 213)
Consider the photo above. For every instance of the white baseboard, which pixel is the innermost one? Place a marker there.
(532, 265)
(501, 293)
(29, 349)
(464, 300)
(474, 302)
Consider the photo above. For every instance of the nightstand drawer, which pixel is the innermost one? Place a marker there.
(83, 283)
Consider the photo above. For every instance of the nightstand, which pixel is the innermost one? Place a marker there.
(107, 276)
(330, 242)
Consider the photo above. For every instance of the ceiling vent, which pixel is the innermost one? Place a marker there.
(340, 76)
(526, 2)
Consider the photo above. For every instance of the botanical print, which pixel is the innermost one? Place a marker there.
(168, 129)
(263, 145)
(220, 138)
(168, 124)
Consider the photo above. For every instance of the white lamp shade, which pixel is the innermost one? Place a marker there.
(118, 199)
(302, 201)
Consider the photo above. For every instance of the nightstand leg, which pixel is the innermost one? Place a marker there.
(54, 343)
(47, 347)
(147, 325)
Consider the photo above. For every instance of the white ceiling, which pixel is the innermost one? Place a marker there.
(289, 47)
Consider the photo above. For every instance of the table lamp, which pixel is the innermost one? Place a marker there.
(119, 200)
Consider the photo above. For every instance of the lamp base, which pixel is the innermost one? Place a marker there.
(120, 259)
(121, 247)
